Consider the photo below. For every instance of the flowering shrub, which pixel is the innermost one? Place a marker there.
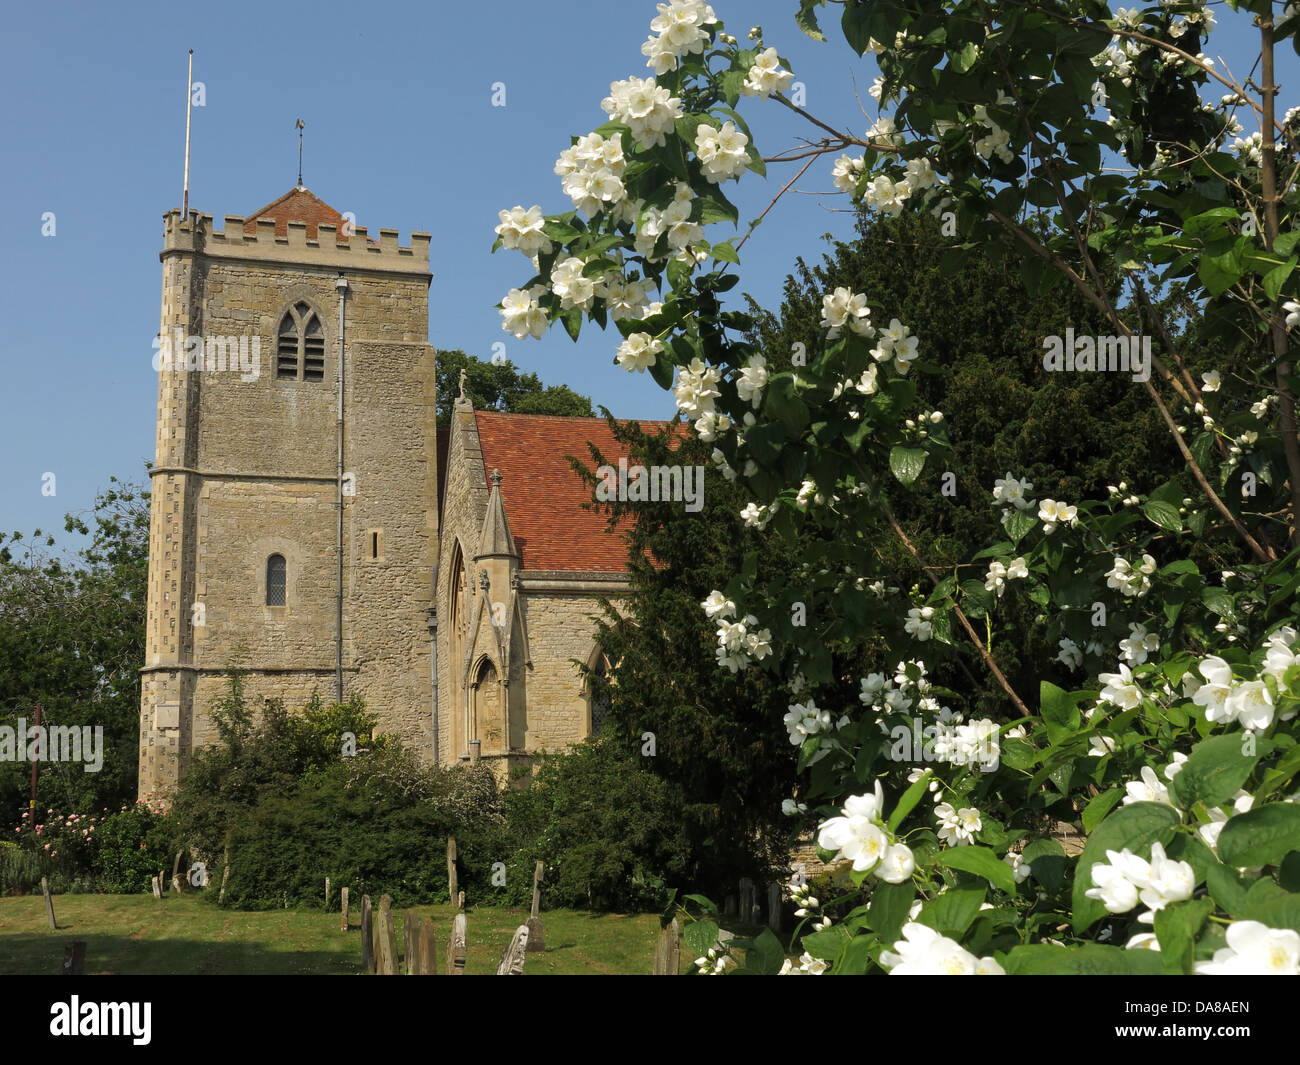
(1170, 769)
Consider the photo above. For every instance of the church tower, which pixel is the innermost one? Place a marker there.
(294, 512)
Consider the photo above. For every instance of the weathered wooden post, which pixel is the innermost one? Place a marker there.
(536, 940)
(225, 875)
(453, 882)
(157, 888)
(456, 947)
(774, 907)
(668, 950)
(49, 904)
(386, 934)
(343, 907)
(411, 936)
(74, 958)
(512, 959)
(427, 949)
(327, 894)
(367, 937)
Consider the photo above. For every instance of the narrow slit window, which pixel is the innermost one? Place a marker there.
(374, 545)
(275, 580)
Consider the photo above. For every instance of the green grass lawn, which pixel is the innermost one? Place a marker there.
(183, 934)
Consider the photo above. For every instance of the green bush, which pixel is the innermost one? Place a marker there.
(130, 847)
(609, 830)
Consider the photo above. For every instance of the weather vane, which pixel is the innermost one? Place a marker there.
(299, 126)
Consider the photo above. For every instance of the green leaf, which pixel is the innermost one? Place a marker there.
(1098, 807)
(724, 252)
(1047, 862)
(1164, 515)
(951, 913)
(807, 21)
(1217, 600)
(1215, 771)
(701, 937)
(1090, 959)
(965, 59)
(1176, 928)
(763, 954)
(905, 463)
(1261, 836)
(855, 959)
(1136, 827)
(827, 943)
(1018, 523)
(1059, 710)
(1276, 278)
(855, 25)
(909, 800)
(982, 862)
(890, 904)
(1226, 888)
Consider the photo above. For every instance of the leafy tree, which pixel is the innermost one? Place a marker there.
(500, 386)
(717, 736)
(72, 639)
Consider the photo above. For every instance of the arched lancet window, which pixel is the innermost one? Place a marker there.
(599, 702)
(300, 345)
(275, 574)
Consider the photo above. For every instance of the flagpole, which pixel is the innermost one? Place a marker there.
(189, 96)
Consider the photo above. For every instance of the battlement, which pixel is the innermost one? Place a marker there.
(330, 248)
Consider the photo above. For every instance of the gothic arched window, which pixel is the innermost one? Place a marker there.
(300, 345)
(275, 580)
(599, 694)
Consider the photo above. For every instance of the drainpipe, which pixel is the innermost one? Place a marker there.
(433, 659)
(341, 285)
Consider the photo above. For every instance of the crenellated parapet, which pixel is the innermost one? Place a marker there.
(331, 248)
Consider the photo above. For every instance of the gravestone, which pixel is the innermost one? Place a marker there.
(748, 899)
(157, 888)
(176, 885)
(74, 958)
(343, 909)
(512, 960)
(225, 875)
(774, 907)
(426, 957)
(460, 900)
(49, 904)
(386, 936)
(456, 946)
(453, 882)
(367, 937)
(668, 950)
(411, 936)
(327, 894)
(729, 906)
(536, 938)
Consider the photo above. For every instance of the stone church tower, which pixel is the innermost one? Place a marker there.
(294, 519)
(310, 524)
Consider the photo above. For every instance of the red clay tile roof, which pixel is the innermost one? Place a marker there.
(298, 205)
(543, 495)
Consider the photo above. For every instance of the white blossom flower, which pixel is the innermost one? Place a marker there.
(1166, 881)
(718, 605)
(1147, 789)
(681, 31)
(522, 230)
(1119, 689)
(1292, 309)
(924, 952)
(766, 76)
(1139, 644)
(1070, 656)
(639, 352)
(897, 865)
(1052, 513)
(521, 314)
(752, 380)
(721, 152)
(1211, 381)
(1214, 694)
(695, 389)
(1113, 881)
(648, 109)
(1254, 949)
(1013, 491)
(919, 624)
(846, 172)
(845, 308)
(568, 282)
(957, 827)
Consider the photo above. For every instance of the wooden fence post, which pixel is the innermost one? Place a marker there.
(387, 937)
(367, 940)
(343, 908)
(427, 949)
(49, 904)
(74, 958)
(456, 946)
(453, 881)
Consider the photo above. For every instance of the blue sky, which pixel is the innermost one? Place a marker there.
(400, 130)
